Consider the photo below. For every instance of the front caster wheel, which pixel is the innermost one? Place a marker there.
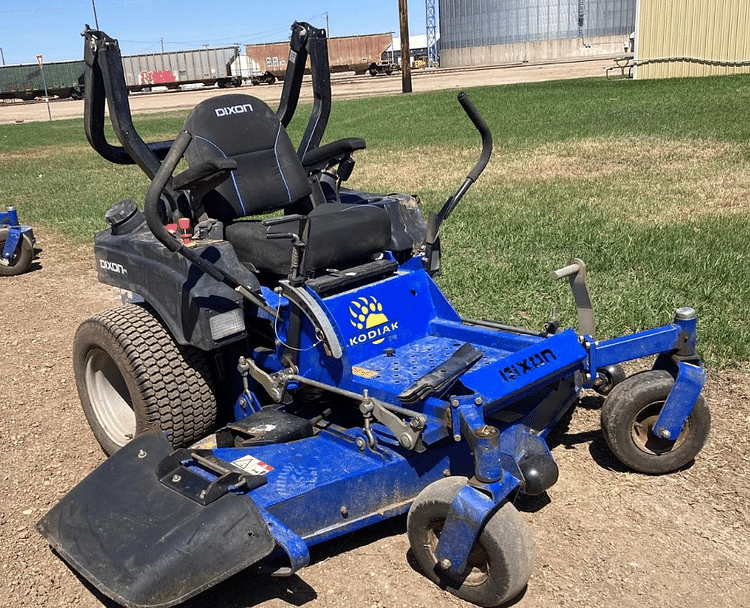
(629, 415)
(20, 261)
(500, 562)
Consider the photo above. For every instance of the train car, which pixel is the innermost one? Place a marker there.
(249, 71)
(209, 67)
(222, 66)
(358, 54)
(24, 81)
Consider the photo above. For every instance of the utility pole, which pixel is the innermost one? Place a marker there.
(40, 61)
(403, 15)
(96, 20)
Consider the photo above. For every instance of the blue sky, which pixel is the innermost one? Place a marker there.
(52, 27)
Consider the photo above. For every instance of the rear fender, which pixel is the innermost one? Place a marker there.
(184, 296)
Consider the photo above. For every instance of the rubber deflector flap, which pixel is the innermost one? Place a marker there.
(145, 545)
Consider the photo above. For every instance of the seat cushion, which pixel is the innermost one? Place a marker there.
(338, 234)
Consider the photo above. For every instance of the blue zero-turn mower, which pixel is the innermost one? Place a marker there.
(16, 244)
(275, 383)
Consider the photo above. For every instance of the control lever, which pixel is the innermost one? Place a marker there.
(576, 273)
(299, 240)
(432, 240)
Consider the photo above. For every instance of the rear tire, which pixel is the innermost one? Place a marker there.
(501, 560)
(131, 374)
(21, 258)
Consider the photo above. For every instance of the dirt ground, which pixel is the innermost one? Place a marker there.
(604, 536)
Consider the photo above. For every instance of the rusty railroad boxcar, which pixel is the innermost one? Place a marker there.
(358, 54)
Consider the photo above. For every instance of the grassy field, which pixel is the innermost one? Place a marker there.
(648, 182)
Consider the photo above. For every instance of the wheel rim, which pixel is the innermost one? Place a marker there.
(109, 397)
(477, 569)
(644, 438)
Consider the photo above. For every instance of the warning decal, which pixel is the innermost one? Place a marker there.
(252, 465)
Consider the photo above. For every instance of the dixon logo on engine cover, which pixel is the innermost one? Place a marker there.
(113, 267)
(367, 316)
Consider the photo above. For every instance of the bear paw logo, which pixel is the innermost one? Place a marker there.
(367, 313)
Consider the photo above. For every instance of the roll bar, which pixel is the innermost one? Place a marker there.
(105, 83)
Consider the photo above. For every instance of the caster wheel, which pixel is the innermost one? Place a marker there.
(500, 562)
(21, 258)
(629, 415)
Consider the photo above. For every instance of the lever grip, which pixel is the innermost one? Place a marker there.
(565, 272)
(484, 131)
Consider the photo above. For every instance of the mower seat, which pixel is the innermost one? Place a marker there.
(270, 177)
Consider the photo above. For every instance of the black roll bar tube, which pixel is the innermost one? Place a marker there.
(151, 211)
(105, 81)
(295, 70)
(307, 41)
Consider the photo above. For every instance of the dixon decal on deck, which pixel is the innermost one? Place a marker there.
(523, 367)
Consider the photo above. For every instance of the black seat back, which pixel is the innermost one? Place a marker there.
(269, 176)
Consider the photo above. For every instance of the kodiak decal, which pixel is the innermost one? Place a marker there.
(368, 317)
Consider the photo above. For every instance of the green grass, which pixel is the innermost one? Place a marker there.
(648, 182)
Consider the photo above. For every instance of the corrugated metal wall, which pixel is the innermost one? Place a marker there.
(485, 22)
(692, 38)
(471, 24)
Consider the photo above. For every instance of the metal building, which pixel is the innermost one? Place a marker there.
(692, 38)
(485, 32)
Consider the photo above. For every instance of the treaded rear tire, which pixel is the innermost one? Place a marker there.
(131, 374)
